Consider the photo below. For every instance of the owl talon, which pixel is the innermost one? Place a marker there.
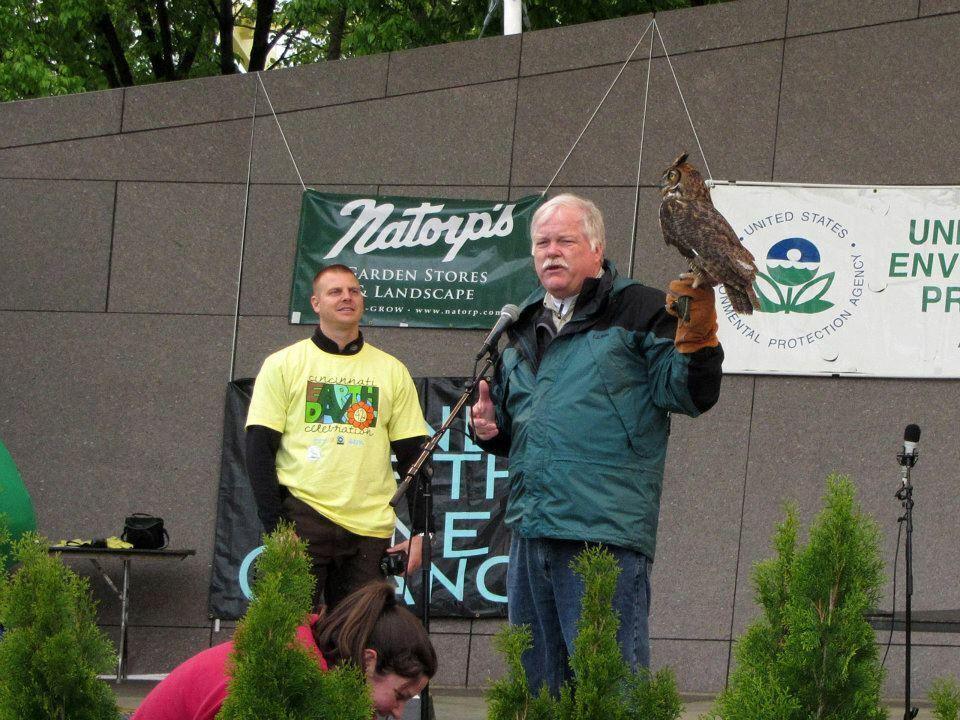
(681, 306)
(698, 278)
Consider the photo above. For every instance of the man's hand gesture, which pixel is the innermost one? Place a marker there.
(482, 416)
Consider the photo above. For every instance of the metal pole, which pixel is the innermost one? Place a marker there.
(905, 496)
(124, 610)
(512, 17)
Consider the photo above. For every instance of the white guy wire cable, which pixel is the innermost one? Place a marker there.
(689, 119)
(597, 109)
(243, 234)
(643, 126)
(277, 120)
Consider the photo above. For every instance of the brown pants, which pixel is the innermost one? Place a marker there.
(340, 561)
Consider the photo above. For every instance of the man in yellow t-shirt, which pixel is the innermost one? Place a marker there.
(325, 415)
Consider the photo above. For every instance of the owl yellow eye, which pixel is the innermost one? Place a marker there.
(673, 176)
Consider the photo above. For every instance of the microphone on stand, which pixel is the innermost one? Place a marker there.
(908, 456)
(508, 316)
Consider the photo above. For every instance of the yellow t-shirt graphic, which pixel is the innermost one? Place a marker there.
(338, 415)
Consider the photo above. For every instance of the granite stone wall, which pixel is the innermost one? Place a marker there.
(139, 273)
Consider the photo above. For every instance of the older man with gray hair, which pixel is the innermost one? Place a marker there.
(581, 404)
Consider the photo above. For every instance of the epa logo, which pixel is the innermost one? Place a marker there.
(792, 283)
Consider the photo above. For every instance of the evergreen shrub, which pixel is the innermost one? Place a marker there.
(52, 649)
(812, 654)
(944, 695)
(272, 674)
(603, 685)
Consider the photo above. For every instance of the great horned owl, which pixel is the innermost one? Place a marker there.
(691, 223)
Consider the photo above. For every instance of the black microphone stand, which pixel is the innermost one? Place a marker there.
(426, 491)
(905, 496)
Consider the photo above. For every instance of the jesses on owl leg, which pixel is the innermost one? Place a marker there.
(681, 306)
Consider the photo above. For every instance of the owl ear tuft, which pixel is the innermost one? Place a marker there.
(680, 160)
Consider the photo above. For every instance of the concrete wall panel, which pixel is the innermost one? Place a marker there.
(453, 656)
(60, 118)
(273, 219)
(689, 30)
(872, 106)
(938, 7)
(259, 336)
(732, 100)
(806, 428)
(199, 153)
(454, 64)
(323, 84)
(700, 666)
(176, 248)
(55, 249)
(816, 16)
(455, 136)
(583, 46)
(116, 414)
(151, 648)
(148, 107)
(273, 222)
(926, 665)
(486, 664)
(705, 469)
(722, 25)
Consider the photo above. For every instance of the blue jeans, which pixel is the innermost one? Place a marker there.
(544, 593)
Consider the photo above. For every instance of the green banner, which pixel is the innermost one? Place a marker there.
(422, 262)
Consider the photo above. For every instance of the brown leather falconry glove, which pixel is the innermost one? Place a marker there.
(697, 328)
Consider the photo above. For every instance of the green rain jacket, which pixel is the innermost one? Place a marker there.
(585, 425)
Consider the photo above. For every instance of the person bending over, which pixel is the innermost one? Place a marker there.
(368, 628)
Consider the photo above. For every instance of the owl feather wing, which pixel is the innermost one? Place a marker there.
(698, 230)
(673, 221)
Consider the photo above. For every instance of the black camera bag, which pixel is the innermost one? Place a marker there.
(145, 532)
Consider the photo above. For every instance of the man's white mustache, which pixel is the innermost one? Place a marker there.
(555, 262)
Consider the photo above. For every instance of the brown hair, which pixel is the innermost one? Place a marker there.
(371, 618)
(336, 267)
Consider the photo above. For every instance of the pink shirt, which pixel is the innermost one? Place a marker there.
(196, 689)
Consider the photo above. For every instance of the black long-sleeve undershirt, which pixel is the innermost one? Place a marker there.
(262, 444)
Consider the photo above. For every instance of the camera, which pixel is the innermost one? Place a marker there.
(393, 563)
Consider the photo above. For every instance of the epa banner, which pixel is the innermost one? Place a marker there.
(422, 262)
(470, 548)
(851, 280)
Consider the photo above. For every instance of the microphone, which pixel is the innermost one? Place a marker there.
(508, 316)
(911, 439)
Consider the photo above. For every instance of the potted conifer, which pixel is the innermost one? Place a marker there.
(272, 675)
(52, 649)
(812, 654)
(944, 695)
(603, 685)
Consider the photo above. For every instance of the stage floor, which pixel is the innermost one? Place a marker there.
(463, 704)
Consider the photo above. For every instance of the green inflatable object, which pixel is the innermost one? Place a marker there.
(15, 503)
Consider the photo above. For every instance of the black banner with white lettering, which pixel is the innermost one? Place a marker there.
(468, 573)
(422, 262)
